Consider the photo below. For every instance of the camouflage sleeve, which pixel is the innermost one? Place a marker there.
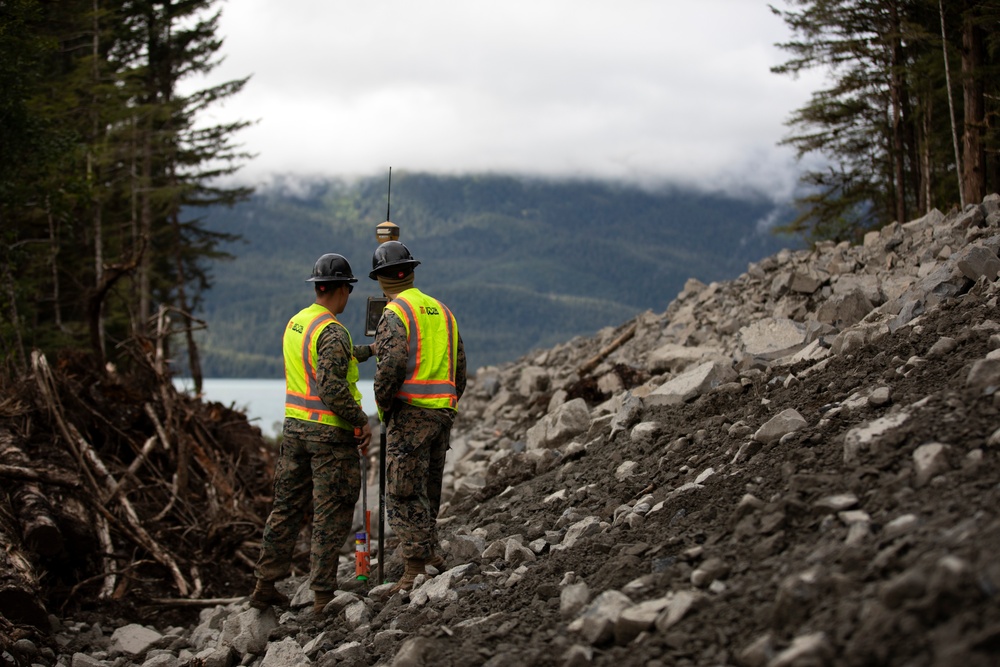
(333, 354)
(460, 370)
(364, 352)
(391, 350)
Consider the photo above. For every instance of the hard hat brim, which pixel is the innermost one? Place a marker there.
(403, 263)
(322, 279)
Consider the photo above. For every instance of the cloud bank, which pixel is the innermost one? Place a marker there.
(643, 90)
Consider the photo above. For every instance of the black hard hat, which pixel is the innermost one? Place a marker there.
(392, 255)
(332, 267)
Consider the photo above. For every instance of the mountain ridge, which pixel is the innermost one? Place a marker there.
(524, 263)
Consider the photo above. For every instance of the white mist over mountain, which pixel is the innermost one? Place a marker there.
(644, 91)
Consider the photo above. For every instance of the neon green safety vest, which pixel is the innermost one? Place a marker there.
(302, 399)
(432, 342)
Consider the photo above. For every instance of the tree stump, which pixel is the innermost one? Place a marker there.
(19, 601)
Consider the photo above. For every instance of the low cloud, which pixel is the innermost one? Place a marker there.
(643, 91)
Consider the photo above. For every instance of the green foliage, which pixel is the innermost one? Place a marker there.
(882, 130)
(99, 156)
(523, 263)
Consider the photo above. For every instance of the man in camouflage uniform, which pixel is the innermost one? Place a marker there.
(419, 379)
(324, 431)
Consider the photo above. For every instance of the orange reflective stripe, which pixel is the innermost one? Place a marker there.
(310, 401)
(421, 361)
(302, 400)
(412, 356)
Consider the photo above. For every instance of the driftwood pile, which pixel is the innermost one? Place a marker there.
(117, 489)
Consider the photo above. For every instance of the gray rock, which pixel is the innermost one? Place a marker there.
(597, 622)
(533, 379)
(773, 337)
(680, 603)
(785, 422)
(977, 261)
(134, 639)
(844, 310)
(83, 660)
(247, 632)
(569, 420)
(984, 377)
(929, 460)
(572, 598)
(869, 437)
(284, 653)
(627, 415)
(638, 618)
(220, 656)
(161, 660)
(412, 652)
(692, 383)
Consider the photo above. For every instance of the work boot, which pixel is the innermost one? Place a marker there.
(265, 594)
(320, 600)
(414, 568)
(436, 561)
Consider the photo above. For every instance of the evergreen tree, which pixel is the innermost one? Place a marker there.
(880, 126)
(100, 214)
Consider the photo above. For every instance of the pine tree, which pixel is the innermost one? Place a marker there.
(882, 127)
(113, 164)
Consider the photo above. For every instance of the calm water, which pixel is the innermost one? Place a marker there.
(262, 400)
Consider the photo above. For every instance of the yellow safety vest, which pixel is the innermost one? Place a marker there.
(432, 344)
(302, 399)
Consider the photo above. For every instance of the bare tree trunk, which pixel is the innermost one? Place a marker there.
(97, 307)
(17, 353)
(54, 265)
(146, 228)
(951, 106)
(895, 95)
(138, 324)
(925, 161)
(973, 57)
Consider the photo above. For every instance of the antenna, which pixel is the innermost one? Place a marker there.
(387, 231)
(388, 196)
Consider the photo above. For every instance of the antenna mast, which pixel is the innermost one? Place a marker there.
(387, 231)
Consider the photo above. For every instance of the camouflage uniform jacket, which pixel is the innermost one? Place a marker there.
(333, 357)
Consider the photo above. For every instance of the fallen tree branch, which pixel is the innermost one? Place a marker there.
(191, 602)
(107, 556)
(130, 473)
(54, 477)
(595, 360)
(19, 598)
(91, 461)
(144, 539)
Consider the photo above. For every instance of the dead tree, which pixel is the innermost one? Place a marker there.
(19, 599)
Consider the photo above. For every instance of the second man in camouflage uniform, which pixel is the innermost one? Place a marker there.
(419, 379)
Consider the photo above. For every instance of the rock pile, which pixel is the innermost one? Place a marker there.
(795, 468)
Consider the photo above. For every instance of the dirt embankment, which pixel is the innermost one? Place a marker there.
(798, 467)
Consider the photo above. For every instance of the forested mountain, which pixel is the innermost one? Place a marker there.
(523, 263)
(113, 212)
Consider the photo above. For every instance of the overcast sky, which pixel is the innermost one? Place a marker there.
(647, 90)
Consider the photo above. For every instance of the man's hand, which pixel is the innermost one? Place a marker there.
(364, 439)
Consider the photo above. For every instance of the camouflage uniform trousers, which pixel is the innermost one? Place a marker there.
(327, 474)
(417, 442)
